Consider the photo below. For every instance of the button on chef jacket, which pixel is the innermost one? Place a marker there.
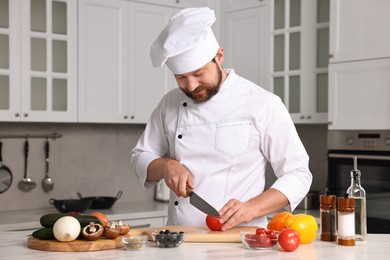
(225, 143)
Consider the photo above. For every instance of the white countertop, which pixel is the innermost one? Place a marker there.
(29, 219)
(13, 245)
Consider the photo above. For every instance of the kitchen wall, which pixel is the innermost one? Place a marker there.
(93, 159)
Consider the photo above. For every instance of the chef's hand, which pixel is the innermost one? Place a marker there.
(236, 212)
(177, 177)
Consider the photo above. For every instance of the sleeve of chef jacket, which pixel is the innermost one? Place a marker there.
(287, 155)
(152, 144)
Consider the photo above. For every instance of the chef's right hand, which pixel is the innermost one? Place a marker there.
(178, 177)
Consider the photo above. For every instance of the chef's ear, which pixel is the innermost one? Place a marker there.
(219, 57)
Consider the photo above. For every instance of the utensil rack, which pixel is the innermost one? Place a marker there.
(53, 135)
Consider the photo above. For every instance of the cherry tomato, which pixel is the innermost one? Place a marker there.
(263, 240)
(289, 239)
(261, 230)
(103, 218)
(213, 223)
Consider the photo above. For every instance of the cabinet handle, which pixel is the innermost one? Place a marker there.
(308, 117)
(17, 114)
(125, 117)
(331, 55)
(132, 117)
(177, 1)
(25, 115)
(302, 117)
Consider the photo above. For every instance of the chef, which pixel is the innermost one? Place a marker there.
(216, 132)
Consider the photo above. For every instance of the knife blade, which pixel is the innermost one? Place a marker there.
(201, 204)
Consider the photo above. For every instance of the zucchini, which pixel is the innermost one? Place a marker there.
(48, 220)
(44, 233)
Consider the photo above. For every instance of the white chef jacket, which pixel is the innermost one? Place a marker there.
(225, 143)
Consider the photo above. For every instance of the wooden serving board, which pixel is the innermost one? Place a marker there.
(198, 234)
(77, 245)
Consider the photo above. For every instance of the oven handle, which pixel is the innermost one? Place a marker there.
(359, 156)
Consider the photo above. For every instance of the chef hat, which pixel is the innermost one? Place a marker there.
(187, 42)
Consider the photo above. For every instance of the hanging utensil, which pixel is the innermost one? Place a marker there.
(47, 182)
(26, 184)
(5, 173)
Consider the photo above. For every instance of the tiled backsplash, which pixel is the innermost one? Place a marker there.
(94, 159)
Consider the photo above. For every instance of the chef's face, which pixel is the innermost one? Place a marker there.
(202, 84)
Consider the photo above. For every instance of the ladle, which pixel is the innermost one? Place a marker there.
(26, 184)
(47, 182)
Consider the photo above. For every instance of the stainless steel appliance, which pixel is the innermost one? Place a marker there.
(372, 149)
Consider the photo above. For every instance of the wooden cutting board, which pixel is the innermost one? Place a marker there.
(198, 234)
(77, 245)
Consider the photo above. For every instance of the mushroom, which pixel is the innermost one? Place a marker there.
(110, 231)
(93, 231)
(122, 228)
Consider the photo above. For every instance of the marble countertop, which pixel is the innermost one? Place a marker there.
(29, 219)
(13, 245)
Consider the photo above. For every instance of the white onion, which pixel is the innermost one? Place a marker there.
(66, 229)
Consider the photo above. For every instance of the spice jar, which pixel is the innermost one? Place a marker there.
(346, 221)
(328, 217)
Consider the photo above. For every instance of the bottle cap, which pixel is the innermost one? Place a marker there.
(345, 203)
(328, 199)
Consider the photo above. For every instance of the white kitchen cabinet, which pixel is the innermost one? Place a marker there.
(233, 5)
(359, 95)
(359, 69)
(299, 62)
(117, 83)
(359, 30)
(38, 83)
(143, 223)
(245, 40)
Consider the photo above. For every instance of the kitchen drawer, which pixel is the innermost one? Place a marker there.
(145, 222)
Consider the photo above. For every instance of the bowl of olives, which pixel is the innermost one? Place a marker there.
(168, 239)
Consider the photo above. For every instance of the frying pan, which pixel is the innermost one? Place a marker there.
(5, 173)
(99, 202)
(67, 205)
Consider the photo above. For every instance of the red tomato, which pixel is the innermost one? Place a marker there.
(261, 230)
(103, 218)
(263, 240)
(213, 223)
(289, 239)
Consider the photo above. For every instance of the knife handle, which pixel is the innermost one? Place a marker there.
(189, 191)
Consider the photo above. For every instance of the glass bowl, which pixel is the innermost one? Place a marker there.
(168, 239)
(258, 241)
(134, 242)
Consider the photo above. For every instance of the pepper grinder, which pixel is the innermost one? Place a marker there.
(328, 217)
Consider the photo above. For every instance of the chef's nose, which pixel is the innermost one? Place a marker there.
(192, 83)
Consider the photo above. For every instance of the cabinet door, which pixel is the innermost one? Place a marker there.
(246, 43)
(103, 45)
(232, 5)
(359, 30)
(9, 60)
(359, 95)
(49, 60)
(147, 85)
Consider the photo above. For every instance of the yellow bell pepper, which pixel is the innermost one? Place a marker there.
(305, 225)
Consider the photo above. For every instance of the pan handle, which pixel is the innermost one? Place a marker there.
(52, 201)
(79, 194)
(119, 194)
(1, 152)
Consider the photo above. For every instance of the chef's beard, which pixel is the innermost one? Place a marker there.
(211, 89)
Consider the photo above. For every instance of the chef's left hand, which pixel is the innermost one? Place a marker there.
(234, 213)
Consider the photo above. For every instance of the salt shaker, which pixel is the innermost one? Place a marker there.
(328, 217)
(346, 221)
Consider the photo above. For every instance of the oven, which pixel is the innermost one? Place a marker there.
(372, 149)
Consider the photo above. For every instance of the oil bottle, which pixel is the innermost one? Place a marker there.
(357, 192)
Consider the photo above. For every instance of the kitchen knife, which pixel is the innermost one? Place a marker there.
(201, 204)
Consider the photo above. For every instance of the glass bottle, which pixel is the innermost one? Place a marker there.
(328, 217)
(357, 192)
(346, 221)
